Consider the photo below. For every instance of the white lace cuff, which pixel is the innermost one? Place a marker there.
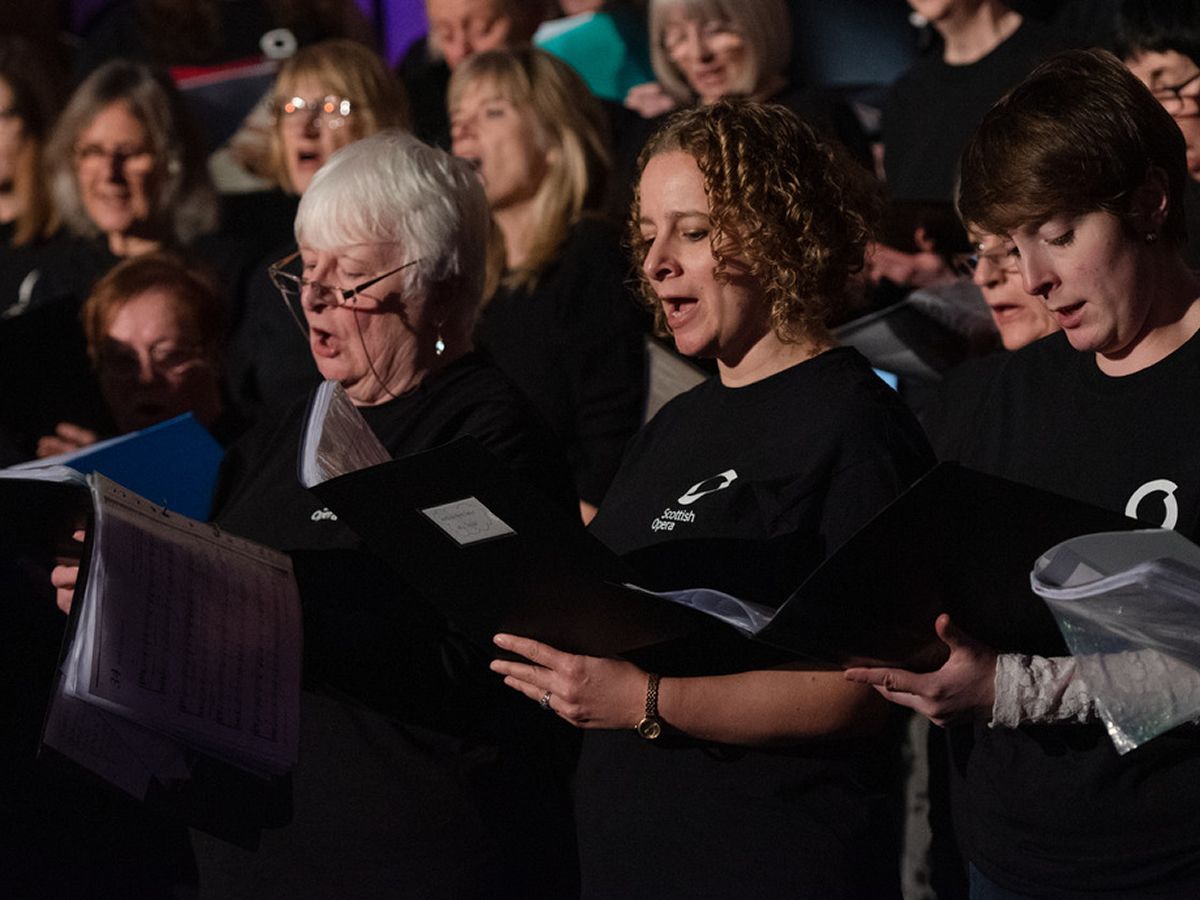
(1038, 690)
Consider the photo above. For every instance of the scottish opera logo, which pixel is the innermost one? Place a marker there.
(708, 486)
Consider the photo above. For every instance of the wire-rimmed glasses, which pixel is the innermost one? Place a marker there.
(295, 288)
(965, 264)
(330, 111)
(1178, 103)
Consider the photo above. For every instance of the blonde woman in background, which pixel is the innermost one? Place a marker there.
(560, 322)
(328, 95)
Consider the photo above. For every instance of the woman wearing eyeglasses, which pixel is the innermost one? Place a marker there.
(127, 178)
(1020, 319)
(328, 95)
(1159, 40)
(155, 329)
(415, 770)
(1083, 170)
(127, 174)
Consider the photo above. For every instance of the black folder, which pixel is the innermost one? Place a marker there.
(539, 574)
(957, 541)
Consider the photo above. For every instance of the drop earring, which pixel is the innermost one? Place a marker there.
(439, 346)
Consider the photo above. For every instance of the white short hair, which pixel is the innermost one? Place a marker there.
(392, 188)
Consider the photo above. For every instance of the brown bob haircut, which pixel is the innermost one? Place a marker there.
(795, 211)
(198, 300)
(1079, 135)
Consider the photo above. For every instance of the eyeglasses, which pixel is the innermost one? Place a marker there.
(295, 288)
(676, 35)
(965, 264)
(122, 363)
(131, 160)
(330, 111)
(1176, 102)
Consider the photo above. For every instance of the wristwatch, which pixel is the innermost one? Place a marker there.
(651, 725)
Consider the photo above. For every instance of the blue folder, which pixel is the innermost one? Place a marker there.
(173, 464)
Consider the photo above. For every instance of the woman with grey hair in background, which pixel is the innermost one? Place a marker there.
(127, 177)
(126, 173)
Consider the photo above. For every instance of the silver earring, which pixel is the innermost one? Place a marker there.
(1151, 237)
(439, 346)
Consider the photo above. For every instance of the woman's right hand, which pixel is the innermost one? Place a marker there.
(587, 691)
(649, 100)
(66, 438)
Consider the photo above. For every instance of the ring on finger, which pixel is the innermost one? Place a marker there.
(544, 703)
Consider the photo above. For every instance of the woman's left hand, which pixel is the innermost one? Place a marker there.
(964, 685)
(67, 438)
(587, 691)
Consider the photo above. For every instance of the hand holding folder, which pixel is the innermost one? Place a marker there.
(962, 686)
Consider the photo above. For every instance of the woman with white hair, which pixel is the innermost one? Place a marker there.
(413, 767)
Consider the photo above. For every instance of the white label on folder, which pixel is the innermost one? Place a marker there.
(467, 521)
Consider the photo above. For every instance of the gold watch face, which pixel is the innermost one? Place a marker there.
(649, 728)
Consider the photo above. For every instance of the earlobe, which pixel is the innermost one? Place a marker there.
(1151, 202)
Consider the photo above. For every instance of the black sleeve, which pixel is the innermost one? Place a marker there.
(877, 465)
(950, 419)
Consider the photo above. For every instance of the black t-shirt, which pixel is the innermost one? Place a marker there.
(934, 107)
(1052, 810)
(746, 490)
(574, 346)
(417, 765)
(949, 418)
(260, 497)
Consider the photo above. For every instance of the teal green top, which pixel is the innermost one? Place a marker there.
(610, 50)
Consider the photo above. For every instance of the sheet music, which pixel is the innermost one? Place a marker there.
(337, 439)
(124, 754)
(195, 632)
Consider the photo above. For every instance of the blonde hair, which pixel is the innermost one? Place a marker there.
(575, 124)
(764, 24)
(352, 70)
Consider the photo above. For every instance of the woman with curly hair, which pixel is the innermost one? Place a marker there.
(735, 774)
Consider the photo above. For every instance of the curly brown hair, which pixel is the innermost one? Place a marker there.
(795, 211)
